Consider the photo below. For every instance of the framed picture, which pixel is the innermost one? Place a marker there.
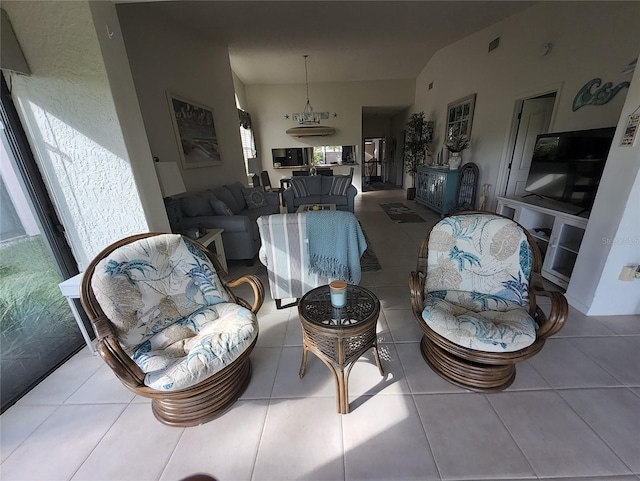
(460, 116)
(195, 130)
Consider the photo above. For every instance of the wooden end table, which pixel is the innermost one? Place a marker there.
(215, 236)
(339, 336)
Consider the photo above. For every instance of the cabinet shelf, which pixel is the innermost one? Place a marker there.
(560, 249)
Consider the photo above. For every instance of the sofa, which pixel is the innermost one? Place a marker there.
(233, 208)
(320, 189)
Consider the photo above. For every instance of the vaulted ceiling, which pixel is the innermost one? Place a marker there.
(345, 40)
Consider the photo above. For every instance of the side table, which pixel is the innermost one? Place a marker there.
(215, 236)
(71, 290)
(339, 336)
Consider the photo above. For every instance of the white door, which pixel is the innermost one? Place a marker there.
(534, 120)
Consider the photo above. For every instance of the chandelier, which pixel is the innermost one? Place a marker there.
(308, 116)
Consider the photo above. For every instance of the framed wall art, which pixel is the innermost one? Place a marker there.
(195, 131)
(460, 117)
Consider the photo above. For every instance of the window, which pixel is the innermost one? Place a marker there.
(460, 116)
(247, 138)
(327, 154)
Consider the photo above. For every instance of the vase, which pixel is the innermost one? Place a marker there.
(455, 159)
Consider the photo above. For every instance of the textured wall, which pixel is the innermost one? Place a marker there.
(69, 115)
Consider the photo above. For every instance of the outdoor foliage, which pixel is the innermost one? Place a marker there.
(30, 301)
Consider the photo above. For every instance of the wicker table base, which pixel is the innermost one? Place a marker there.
(339, 336)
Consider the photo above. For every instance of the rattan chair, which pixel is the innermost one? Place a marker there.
(474, 294)
(169, 327)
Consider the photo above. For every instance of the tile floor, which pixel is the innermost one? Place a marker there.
(572, 413)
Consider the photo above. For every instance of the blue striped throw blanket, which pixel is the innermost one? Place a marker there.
(336, 243)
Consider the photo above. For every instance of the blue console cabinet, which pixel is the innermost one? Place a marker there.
(437, 188)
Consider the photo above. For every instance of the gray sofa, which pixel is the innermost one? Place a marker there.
(226, 208)
(320, 189)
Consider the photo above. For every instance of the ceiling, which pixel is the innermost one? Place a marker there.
(345, 40)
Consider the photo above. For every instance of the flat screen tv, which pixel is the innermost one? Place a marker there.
(567, 166)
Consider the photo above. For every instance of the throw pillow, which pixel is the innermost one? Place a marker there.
(254, 196)
(220, 208)
(225, 195)
(299, 187)
(339, 185)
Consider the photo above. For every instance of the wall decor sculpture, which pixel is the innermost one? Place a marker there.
(195, 132)
(600, 97)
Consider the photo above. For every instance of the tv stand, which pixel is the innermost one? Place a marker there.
(558, 233)
(538, 196)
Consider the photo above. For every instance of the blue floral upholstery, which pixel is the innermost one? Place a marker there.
(171, 312)
(477, 283)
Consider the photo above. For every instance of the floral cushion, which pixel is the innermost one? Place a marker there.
(196, 347)
(456, 316)
(484, 254)
(170, 310)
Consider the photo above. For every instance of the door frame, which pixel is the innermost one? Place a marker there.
(507, 153)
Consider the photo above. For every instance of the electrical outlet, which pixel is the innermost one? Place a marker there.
(628, 273)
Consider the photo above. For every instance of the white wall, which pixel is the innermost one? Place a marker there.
(69, 115)
(164, 56)
(268, 105)
(590, 39)
(612, 239)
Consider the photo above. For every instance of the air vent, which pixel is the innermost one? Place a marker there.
(494, 44)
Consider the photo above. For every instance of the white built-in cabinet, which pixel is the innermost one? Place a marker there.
(558, 235)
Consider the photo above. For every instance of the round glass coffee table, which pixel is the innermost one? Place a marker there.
(339, 336)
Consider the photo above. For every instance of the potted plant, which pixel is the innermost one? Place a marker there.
(456, 143)
(418, 136)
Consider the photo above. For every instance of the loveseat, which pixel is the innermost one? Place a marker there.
(235, 209)
(320, 189)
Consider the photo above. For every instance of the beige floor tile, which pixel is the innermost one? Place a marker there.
(403, 325)
(18, 422)
(64, 381)
(264, 364)
(302, 440)
(125, 450)
(474, 444)
(421, 378)
(614, 414)
(57, 448)
(102, 387)
(224, 448)
(317, 381)
(553, 438)
(384, 440)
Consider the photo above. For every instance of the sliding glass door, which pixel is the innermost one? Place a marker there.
(37, 329)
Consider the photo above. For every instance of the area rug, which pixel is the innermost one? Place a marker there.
(369, 261)
(400, 213)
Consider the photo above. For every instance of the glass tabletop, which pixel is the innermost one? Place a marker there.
(315, 306)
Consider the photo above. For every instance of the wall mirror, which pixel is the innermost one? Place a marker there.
(460, 116)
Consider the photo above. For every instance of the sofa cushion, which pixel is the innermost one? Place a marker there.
(339, 185)
(225, 195)
(220, 208)
(299, 187)
(269, 209)
(325, 184)
(333, 199)
(507, 330)
(254, 196)
(197, 204)
(195, 347)
(314, 184)
(146, 286)
(236, 189)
